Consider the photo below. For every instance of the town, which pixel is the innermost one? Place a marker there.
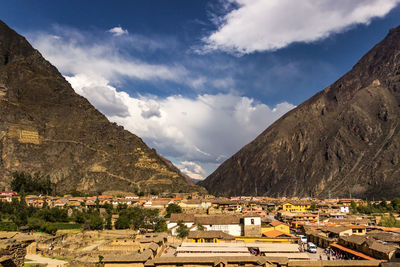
(188, 228)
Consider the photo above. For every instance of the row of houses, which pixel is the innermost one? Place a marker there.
(225, 228)
(194, 201)
(357, 241)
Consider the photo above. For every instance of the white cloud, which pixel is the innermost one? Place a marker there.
(203, 130)
(260, 25)
(194, 132)
(192, 169)
(118, 31)
(73, 53)
(206, 129)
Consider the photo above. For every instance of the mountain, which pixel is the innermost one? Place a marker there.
(46, 127)
(344, 141)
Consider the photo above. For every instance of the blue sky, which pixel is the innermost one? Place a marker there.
(197, 80)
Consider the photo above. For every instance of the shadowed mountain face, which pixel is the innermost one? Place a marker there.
(45, 126)
(344, 141)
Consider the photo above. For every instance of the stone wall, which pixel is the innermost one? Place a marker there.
(252, 230)
(13, 252)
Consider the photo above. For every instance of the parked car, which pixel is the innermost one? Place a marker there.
(303, 239)
(311, 247)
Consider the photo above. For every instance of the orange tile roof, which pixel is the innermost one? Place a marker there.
(276, 233)
(105, 196)
(356, 253)
(346, 200)
(275, 223)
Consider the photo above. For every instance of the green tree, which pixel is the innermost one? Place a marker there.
(23, 182)
(108, 225)
(49, 228)
(79, 216)
(182, 230)
(161, 226)
(19, 212)
(172, 208)
(200, 227)
(389, 221)
(153, 192)
(313, 206)
(353, 207)
(396, 204)
(95, 221)
(100, 262)
(97, 202)
(121, 207)
(383, 204)
(122, 222)
(108, 207)
(35, 224)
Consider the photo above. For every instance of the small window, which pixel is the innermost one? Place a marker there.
(252, 221)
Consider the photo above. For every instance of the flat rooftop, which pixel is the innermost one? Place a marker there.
(264, 247)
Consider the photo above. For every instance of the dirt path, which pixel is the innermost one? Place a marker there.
(40, 259)
(94, 245)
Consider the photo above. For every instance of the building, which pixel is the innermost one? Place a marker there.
(296, 206)
(369, 246)
(194, 204)
(229, 224)
(209, 237)
(235, 225)
(8, 196)
(252, 225)
(186, 219)
(275, 225)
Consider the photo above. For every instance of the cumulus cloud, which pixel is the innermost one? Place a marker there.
(260, 25)
(194, 132)
(118, 31)
(203, 130)
(192, 169)
(151, 109)
(103, 96)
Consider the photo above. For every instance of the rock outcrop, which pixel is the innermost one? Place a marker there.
(13, 248)
(344, 141)
(46, 127)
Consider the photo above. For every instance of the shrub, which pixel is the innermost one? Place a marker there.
(8, 226)
(122, 222)
(173, 208)
(95, 222)
(49, 228)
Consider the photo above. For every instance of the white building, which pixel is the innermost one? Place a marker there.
(231, 224)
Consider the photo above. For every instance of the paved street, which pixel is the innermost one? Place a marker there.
(315, 256)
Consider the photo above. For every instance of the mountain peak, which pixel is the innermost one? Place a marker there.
(46, 127)
(343, 141)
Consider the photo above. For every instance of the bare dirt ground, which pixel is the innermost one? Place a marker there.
(49, 261)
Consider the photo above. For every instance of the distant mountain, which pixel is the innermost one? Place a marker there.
(45, 126)
(344, 141)
(196, 180)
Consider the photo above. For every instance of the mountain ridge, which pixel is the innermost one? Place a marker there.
(326, 145)
(45, 126)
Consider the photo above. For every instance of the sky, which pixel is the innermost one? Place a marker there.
(197, 80)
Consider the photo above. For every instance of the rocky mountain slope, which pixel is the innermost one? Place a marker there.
(344, 141)
(45, 126)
